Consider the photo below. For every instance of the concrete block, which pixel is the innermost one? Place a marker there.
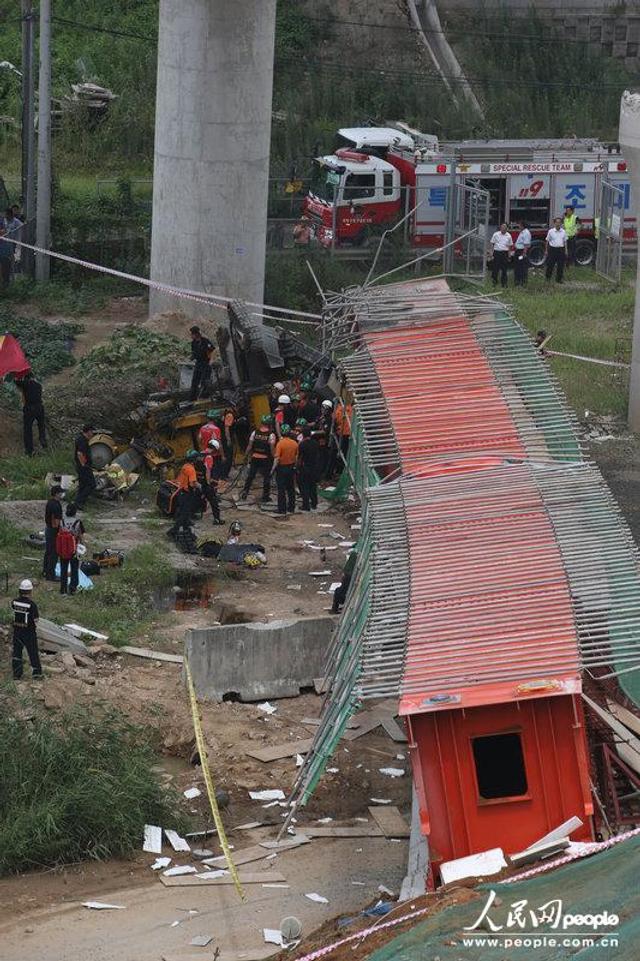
(258, 661)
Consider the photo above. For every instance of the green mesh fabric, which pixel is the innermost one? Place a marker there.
(603, 882)
(358, 470)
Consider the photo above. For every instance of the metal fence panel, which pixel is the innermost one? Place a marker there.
(609, 253)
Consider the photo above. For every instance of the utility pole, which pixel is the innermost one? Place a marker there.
(28, 130)
(43, 210)
(629, 136)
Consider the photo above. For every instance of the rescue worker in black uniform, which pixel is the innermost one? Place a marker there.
(25, 618)
(84, 470)
(259, 452)
(201, 350)
(32, 412)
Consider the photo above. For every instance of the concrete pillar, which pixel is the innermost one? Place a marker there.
(630, 143)
(212, 138)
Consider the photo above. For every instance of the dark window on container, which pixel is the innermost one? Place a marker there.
(387, 184)
(500, 766)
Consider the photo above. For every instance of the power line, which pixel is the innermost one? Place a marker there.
(94, 28)
(431, 79)
(534, 38)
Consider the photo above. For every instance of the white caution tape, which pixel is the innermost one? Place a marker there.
(210, 300)
(590, 360)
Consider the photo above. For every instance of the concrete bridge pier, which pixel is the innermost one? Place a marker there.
(629, 137)
(212, 138)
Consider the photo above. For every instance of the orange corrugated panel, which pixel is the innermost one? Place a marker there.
(490, 607)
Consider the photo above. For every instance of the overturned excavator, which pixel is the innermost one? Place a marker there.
(252, 357)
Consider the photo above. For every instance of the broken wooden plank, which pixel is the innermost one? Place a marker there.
(394, 730)
(278, 751)
(368, 721)
(244, 856)
(151, 655)
(248, 954)
(622, 714)
(344, 832)
(286, 844)
(191, 880)
(316, 721)
(390, 821)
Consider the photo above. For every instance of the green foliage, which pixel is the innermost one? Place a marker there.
(25, 476)
(46, 346)
(80, 790)
(128, 351)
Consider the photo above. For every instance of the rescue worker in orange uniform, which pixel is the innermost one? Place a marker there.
(185, 499)
(284, 467)
(342, 425)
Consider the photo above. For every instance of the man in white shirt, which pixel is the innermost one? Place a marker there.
(521, 256)
(556, 250)
(501, 245)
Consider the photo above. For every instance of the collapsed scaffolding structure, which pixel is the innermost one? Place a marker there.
(494, 569)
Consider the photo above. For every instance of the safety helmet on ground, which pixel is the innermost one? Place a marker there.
(214, 443)
(278, 386)
(266, 419)
(284, 428)
(192, 454)
(235, 528)
(26, 585)
(327, 404)
(284, 399)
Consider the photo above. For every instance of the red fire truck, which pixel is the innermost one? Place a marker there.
(379, 174)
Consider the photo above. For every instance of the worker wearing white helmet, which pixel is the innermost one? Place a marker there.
(284, 414)
(322, 434)
(25, 617)
(209, 483)
(276, 389)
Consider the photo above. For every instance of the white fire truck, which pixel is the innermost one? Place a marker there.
(379, 174)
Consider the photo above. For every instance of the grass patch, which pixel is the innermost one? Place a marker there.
(80, 790)
(25, 476)
(590, 317)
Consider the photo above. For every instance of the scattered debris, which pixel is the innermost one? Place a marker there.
(267, 708)
(152, 839)
(103, 906)
(380, 800)
(473, 866)
(538, 851)
(160, 863)
(390, 822)
(78, 631)
(317, 898)
(392, 771)
(319, 573)
(191, 793)
(294, 587)
(201, 940)
(176, 842)
(299, 760)
(255, 878)
(274, 794)
(343, 832)
(202, 853)
(146, 652)
(273, 936)
(179, 870)
(286, 845)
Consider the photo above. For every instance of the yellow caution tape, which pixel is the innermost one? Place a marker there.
(208, 780)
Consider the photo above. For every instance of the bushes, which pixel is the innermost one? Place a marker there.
(82, 790)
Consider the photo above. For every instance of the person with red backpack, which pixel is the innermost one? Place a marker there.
(70, 534)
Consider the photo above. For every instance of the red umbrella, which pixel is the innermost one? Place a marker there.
(12, 359)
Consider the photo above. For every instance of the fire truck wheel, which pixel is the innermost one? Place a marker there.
(536, 254)
(584, 253)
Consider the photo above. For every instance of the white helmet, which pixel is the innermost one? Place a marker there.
(278, 386)
(284, 399)
(214, 443)
(26, 585)
(327, 403)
